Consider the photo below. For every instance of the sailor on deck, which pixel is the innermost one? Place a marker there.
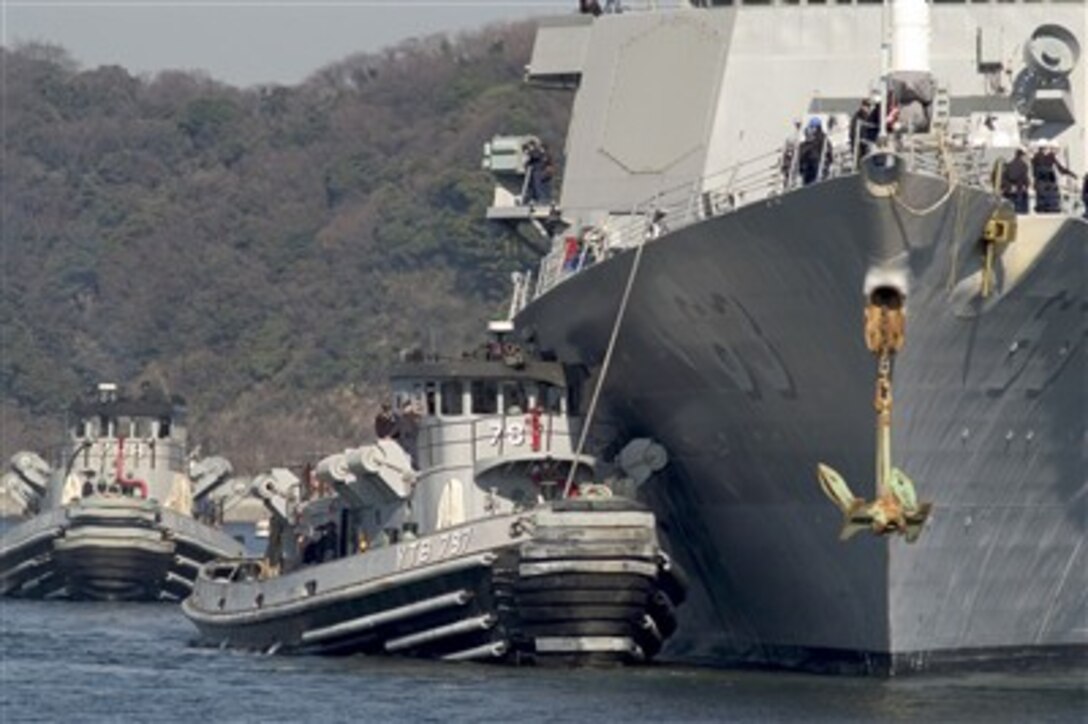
(814, 153)
(407, 430)
(385, 423)
(864, 128)
(1045, 167)
(1015, 181)
(538, 163)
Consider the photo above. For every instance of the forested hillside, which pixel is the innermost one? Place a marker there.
(263, 252)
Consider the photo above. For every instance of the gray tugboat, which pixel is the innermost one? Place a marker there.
(114, 519)
(498, 542)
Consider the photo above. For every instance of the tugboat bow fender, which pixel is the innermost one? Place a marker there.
(674, 581)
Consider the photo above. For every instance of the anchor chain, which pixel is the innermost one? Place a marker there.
(885, 328)
(883, 405)
(885, 334)
(883, 400)
(896, 508)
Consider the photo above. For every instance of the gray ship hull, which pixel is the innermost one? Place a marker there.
(742, 352)
(108, 550)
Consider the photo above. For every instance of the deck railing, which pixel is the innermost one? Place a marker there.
(758, 179)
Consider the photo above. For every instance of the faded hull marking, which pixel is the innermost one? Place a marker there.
(432, 550)
(740, 501)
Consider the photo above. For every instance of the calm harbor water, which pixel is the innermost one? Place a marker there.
(62, 661)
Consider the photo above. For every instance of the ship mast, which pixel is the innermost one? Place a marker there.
(910, 36)
(906, 44)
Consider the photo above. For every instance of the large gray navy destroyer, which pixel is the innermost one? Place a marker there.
(751, 305)
(113, 517)
(459, 539)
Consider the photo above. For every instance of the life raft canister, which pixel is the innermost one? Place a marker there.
(535, 428)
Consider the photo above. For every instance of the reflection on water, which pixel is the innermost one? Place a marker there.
(134, 662)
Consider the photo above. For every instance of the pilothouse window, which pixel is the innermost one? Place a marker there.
(485, 397)
(551, 398)
(514, 398)
(430, 391)
(452, 394)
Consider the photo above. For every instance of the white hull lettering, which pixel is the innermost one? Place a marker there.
(433, 549)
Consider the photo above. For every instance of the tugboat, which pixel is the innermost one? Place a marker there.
(113, 520)
(480, 532)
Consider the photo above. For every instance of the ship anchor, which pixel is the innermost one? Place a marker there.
(896, 508)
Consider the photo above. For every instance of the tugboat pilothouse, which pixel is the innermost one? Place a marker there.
(473, 529)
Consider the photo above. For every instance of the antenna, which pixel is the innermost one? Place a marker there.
(885, 67)
(905, 47)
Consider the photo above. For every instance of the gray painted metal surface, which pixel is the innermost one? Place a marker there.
(469, 556)
(454, 594)
(742, 347)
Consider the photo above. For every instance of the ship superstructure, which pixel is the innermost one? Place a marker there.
(750, 322)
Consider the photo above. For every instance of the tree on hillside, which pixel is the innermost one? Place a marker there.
(265, 251)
